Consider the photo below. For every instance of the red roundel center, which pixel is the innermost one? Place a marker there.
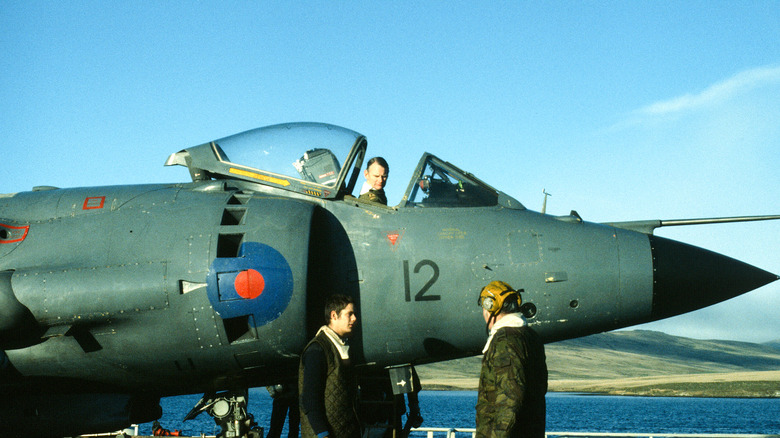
(249, 284)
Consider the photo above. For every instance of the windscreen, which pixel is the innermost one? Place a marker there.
(441, 185)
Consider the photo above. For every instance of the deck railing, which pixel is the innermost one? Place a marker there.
(442, 432)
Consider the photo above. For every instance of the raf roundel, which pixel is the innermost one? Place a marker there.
(257, 284)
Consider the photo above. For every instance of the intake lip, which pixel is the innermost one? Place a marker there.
(686, 277)
(18, 327)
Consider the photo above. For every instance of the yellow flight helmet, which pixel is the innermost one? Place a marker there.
(493, 296)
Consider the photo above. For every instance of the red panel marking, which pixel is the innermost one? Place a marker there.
(392, 238)
(14, 234)
(249, 284)
(94, 202)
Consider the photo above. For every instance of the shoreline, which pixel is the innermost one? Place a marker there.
(753, 384)
(444, 388)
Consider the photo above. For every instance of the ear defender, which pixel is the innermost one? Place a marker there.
(494, 295)
(488, 303)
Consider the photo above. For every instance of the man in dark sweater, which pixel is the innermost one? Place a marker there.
(327, 386)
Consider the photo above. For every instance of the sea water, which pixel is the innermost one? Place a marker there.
(565, 412)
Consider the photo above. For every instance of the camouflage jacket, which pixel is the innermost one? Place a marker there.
(512, 386)
(373, 195)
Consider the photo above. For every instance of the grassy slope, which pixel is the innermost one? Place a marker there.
(640, 363)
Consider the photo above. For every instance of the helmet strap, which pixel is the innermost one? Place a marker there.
(487, 323)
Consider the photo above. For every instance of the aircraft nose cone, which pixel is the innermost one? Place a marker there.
(687, 277)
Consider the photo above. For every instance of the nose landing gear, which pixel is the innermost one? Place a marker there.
(228, 409)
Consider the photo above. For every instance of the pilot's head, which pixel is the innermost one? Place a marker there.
(498, 298)
(340, 314)
(376, 173)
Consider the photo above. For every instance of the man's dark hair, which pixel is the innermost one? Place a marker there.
(510, 305)
(380, 161)
(336, 303)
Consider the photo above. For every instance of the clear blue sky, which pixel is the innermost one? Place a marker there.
(621, 110)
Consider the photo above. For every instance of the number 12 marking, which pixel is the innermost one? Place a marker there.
(420, 295)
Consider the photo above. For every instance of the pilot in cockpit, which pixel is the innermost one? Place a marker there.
(373, 189)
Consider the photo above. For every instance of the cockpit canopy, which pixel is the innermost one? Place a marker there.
(300, 157)
(324, 161)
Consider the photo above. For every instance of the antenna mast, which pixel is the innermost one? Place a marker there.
(544, 204)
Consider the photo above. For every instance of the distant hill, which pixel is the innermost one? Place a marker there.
(640, 362)
(774, 344)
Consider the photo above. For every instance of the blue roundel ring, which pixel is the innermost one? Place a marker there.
(258, 282)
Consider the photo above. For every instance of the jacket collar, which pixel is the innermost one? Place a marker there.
(508, 320)
(337, 341)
